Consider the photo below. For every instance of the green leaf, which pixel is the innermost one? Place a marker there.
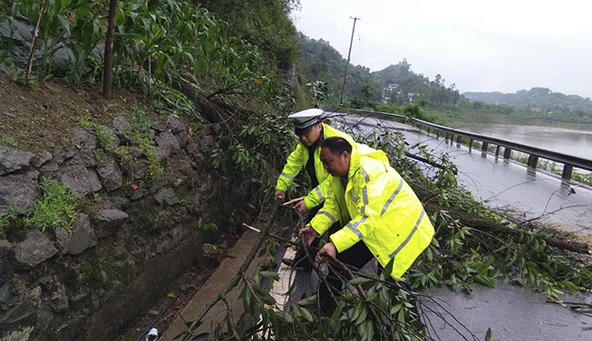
(356, 311)
(306, 301)
(270, 274)
(359, 280)
(401, 317)
(488, 335)
(362, 316)
(268, 299)
(363, 331)
(388, 269)
(288, 318)
(247, 299)
(306, 314)
(396, 308)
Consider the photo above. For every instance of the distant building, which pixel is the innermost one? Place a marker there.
(536, 109)
(388, 89)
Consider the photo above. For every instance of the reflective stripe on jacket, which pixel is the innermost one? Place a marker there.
(297, 161)
(382, 210)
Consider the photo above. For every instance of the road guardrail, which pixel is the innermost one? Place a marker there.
(534, 153)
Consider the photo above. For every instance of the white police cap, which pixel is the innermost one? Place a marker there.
(306, 119)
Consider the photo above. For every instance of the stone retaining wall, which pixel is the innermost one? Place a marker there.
(131, 240)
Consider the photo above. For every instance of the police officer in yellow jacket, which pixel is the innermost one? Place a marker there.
(311, 132)
(385, 218)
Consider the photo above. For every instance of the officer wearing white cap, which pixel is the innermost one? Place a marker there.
(304, 120)
(311, 132)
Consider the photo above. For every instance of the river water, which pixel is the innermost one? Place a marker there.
(575, 141)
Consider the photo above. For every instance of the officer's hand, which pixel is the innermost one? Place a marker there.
(308, 234)
(279, 195)
(327, 249)
(301, 207)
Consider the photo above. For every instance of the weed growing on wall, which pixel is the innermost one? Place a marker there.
(9, 217)
(123, 154)
(140, 129)
(58, 207)
(103, 136)
(8, 141)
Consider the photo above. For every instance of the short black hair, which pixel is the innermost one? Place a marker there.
(337, 145)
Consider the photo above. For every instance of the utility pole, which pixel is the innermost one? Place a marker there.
(347, 64)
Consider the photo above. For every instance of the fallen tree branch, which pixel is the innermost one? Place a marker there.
(292, 201)
(281, 239)
(483, 224)
(423, 159)
(550, 213)
(229, 320)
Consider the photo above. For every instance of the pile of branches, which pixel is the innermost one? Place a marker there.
(372, 307)
(472, 245)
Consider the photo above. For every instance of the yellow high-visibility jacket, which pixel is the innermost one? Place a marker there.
(297, 161)
(382, 210)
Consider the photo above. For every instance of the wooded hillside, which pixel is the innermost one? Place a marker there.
(537, 99)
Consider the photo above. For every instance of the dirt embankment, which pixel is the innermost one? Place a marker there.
(34, 118)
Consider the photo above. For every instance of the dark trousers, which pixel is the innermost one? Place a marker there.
(358, 256)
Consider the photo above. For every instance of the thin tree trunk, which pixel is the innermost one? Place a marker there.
(34, 43)
(197, 6)
(108, 60)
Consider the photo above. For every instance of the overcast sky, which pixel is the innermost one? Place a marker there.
(502, 45)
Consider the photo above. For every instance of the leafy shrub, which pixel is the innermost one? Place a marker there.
(56, 29)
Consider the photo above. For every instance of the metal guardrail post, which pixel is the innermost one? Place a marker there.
(507, 152)
(567, 170)
(533, 160)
